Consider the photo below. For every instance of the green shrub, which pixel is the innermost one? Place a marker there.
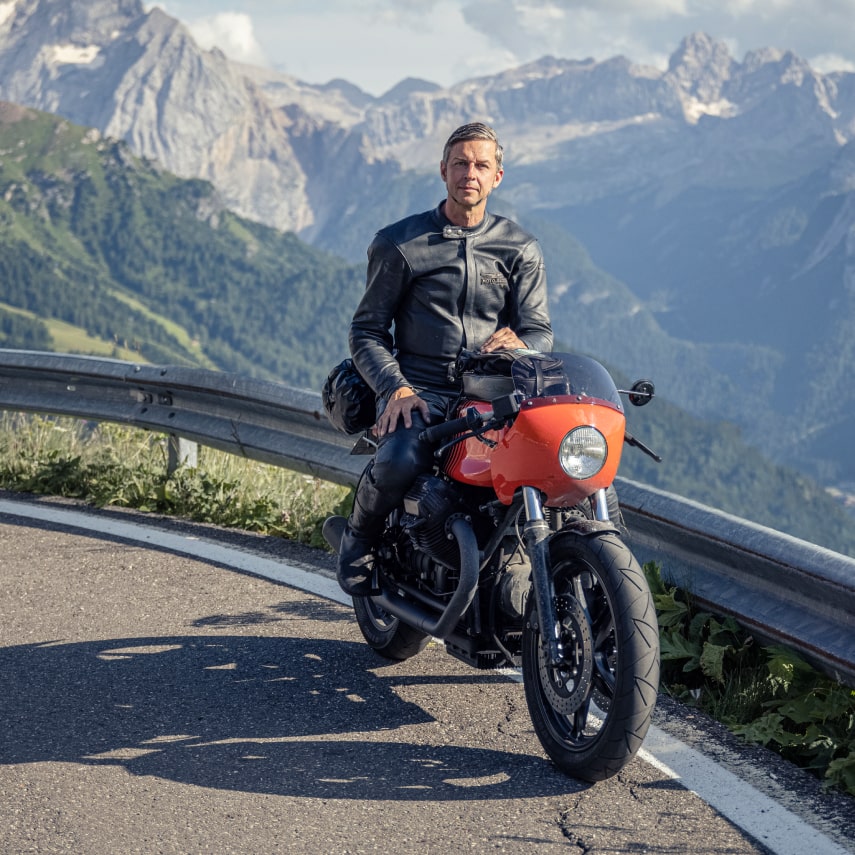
(106, 464)
(767, 695)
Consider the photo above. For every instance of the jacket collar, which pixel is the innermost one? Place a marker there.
(453, 232)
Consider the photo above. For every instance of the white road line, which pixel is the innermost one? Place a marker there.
(759, 815)
(781, 831)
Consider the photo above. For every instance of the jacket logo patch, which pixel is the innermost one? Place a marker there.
(492, 279)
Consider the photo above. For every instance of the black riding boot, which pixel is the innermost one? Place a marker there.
(364, 527)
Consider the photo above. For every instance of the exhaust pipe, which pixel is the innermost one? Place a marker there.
(419, 617)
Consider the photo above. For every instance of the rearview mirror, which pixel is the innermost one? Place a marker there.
(641, 392)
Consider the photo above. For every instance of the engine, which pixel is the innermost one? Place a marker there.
(429, 508)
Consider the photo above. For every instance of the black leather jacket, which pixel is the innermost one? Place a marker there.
(444, 288)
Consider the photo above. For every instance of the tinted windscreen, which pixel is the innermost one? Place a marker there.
(564, 374)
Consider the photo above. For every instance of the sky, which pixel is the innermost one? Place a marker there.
(377, 43)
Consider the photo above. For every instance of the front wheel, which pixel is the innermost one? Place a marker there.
(386, 634)
(592, 710)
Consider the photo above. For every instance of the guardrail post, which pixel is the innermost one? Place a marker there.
(181, 452)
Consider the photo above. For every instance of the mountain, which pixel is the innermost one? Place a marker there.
(101, 252)
(593, 129)
(695, 219)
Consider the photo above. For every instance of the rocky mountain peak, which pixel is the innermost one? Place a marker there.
(352, 93)
(407, 87)
(756, 59)
(701, 66)
(91, 23)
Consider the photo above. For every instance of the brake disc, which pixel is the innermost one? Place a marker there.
(567, 685)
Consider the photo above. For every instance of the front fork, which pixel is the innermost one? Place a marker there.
(536, 533)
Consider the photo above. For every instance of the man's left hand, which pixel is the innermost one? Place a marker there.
(503, 339)
(401, 404)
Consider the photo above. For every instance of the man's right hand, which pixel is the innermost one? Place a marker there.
(401, 405)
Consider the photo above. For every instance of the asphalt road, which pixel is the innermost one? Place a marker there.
(156, 703)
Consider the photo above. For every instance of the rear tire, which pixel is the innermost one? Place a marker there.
(592, 712)
(385, 633)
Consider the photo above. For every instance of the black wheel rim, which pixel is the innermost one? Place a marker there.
(576, 697)
(382, 620)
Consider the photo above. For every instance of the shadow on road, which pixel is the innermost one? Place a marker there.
(269, 715)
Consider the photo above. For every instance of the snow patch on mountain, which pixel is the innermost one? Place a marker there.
(722, 108)
(74, 55)
(6, 11)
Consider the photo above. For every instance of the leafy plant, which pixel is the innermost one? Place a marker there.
(767, 695)
(808, 718)
(696, 644)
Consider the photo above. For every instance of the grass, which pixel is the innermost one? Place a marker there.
(68, 338)
(175, 330)
(768, 696)
(107, 464)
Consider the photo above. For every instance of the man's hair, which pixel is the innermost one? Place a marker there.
(473, 131)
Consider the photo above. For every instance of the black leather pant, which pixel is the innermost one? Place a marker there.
(400, 458)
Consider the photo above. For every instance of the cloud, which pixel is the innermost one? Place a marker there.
(825, 63)
(232, 33)
(376, 43)
(647, 31)
(579, 29)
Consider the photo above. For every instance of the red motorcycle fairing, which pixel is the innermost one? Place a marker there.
(526, 453)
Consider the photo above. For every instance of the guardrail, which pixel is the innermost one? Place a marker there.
(781, 588)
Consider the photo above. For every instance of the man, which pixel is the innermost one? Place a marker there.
(452, 278)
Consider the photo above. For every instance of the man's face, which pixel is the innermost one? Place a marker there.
(471, 173)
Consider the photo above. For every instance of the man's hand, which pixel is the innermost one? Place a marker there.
(401, 405)
(503, 339)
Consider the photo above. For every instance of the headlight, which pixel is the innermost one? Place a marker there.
(582, 452)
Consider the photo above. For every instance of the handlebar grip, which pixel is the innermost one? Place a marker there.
(436, 433)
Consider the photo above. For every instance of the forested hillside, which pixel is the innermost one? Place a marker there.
(93, 237)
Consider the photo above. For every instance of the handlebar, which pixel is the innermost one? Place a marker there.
(472, 420)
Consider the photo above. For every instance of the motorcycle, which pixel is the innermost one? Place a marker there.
(511, 552)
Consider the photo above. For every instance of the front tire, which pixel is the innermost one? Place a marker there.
(591, 713)
(386, 634)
